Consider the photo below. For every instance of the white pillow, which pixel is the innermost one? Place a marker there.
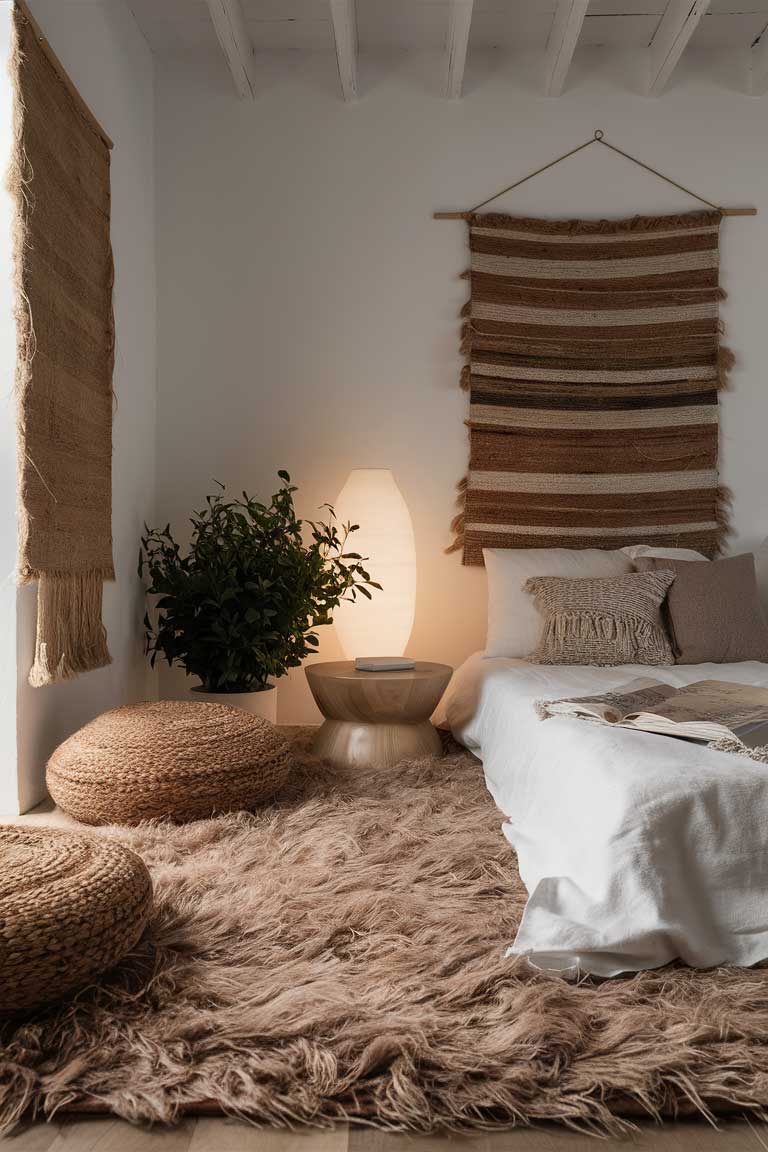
(634, 551)
(514, 624)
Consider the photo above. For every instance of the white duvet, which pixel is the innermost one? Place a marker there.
(635, 849)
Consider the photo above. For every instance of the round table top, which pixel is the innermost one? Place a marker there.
(345, 670)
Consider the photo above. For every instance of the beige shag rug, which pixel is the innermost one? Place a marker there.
(339, 956)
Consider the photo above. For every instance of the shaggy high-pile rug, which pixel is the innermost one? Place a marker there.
(339, 955)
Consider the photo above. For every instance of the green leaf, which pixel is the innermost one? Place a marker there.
(241, 603)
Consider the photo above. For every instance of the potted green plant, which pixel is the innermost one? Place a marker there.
(242, 604)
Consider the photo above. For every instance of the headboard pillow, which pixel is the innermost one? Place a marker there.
(713, 610)
(514, 625)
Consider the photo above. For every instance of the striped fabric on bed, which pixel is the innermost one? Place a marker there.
(594, 368)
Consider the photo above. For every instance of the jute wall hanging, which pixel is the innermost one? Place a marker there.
(593, 367)
(64, 273)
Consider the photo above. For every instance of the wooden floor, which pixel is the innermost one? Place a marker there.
(214, 1135)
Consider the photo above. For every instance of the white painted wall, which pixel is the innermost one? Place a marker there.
(308, 303)
(104, 52)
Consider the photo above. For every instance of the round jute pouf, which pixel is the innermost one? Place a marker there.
(171, 759)
(71, 906)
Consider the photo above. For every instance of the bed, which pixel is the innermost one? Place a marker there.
(635, 849)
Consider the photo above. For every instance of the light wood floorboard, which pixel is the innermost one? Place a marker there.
(683, 1137)
(220, 1135)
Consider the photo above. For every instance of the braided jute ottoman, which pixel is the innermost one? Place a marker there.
(171, 759)
(71, 906)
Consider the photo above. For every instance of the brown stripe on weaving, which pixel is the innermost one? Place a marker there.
(596, 517)
(694, 279)
(632, 250)
(521, 398)
(569, 360)
(587, 334)
(587, 508)
(487, 288)
(594, 365)
(596, 451)
(692, 351)
(553, 389)
(575, 238)
(652, 225)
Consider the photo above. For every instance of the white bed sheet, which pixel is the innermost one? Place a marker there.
(635, 849)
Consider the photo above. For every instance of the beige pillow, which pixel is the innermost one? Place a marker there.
(713, 610)
(610, 621)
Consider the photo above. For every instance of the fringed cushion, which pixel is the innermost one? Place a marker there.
(172, 759)
(71, 906)
(602, 621)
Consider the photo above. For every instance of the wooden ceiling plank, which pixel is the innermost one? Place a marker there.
(459, 22)
(675, 29)
(563, 38)
(344, 19)
(232, 33)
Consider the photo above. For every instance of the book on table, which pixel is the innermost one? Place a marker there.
(706, 711)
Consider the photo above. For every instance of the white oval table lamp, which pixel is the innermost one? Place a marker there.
(382, 625)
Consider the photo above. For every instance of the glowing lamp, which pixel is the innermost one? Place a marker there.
(382, 625)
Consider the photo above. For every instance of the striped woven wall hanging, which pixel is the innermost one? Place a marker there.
(594, 364)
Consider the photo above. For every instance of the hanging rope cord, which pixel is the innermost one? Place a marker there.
(598, 138)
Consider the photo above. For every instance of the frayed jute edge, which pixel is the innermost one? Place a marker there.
(457, 524)
(70, 636)
(723, 506)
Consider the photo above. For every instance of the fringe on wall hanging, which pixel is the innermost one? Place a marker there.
(593, 368)
(60, 179)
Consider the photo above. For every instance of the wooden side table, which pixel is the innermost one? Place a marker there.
(376, 719)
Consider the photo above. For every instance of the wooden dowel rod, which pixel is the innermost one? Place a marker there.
(466, 215)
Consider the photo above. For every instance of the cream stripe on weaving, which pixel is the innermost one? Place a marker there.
(561, 317)
(567, 483)
(593, 269)
(586, 530)
(581, 238)
(595, 376)
(512, 417)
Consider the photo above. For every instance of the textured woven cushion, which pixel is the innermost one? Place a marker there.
(174, 759)
(514, 625)
(70, 907)
(610, 621)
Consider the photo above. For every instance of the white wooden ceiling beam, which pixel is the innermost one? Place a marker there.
(563, 38)
(758, 73)
(344, 19)
(675, 29)
(232, 32)
(459, 21)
